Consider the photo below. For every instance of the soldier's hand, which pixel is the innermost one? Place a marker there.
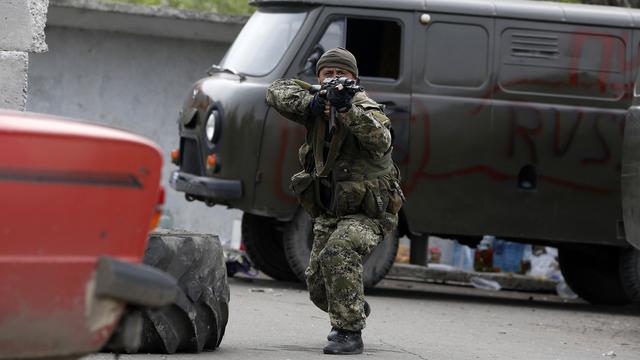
(339, 98)
(318, 104)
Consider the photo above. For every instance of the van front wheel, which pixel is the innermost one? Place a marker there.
(263, 242)
(298, 239)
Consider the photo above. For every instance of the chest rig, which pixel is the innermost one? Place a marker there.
(340, 177)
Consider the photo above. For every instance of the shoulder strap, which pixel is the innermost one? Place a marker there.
(323, 168)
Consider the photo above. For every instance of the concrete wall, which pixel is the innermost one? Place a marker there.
(135, 78)
(21, 32)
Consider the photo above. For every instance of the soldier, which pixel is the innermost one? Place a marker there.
(348, 185)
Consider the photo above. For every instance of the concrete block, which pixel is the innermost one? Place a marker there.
(13, 79)
(22, 25)
(38, 9)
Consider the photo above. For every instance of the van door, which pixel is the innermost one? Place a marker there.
(560, 100)
(382, 42)
(448, 170)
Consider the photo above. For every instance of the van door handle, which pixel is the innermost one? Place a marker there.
(391, 108)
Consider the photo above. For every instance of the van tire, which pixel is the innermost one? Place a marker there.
(593, 272)
(298, 239)
(630, 273)
(196, 321)
(263, 243)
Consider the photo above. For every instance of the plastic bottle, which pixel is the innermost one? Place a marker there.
(484, 255)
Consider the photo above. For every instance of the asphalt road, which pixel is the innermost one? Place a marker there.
(275, 320)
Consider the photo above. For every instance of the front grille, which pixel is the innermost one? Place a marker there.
(190, 161)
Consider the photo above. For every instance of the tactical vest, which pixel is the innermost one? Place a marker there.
(357, 182)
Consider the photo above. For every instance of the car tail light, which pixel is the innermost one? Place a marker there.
(175, 156)
(157, 213)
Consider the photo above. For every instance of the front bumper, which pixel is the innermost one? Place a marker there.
(208, 188)
(136, 284)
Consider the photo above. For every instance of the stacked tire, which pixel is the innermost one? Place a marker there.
(196, 321)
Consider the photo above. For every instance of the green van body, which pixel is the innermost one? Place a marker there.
(509, 116)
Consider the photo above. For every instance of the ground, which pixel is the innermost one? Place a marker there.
(275, 320)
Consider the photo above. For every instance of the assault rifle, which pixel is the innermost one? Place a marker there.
(341, 84)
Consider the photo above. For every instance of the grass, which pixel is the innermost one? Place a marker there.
(235, 7)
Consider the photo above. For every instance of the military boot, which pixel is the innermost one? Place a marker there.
(345, 343)
(334, 331)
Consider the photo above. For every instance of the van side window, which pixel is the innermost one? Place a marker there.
(333, 36)
(376, 45)
(457, 55)
(562, 64)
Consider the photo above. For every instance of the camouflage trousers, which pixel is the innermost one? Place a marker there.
(334, 275)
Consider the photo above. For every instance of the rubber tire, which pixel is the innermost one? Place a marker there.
(298, 239)
(263, 243)
(196, 321)
(630, 273)
(593, 272)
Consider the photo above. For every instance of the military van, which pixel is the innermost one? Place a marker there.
(508, 119)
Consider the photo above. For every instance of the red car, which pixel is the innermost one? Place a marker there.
(77, 202)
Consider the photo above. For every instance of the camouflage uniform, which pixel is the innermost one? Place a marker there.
(365, 195)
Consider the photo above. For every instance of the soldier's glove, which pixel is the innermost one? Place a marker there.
(318, 104)
(340, 98)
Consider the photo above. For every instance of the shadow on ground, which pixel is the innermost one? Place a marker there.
(417, 291)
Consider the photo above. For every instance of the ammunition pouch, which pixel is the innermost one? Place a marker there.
(396, 196)
(374, 201)
(374, 194)
(302, 185)
(395, 202)
(348, 197)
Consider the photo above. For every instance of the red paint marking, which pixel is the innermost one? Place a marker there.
(578, 41)
(576, 50)
(282, 152)
(576, 186)
(424, 161)
(524, 132)
(492, 173)
(606, 152)
(606, 65)
(559, 150)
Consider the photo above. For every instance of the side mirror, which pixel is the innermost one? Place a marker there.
(310, 65)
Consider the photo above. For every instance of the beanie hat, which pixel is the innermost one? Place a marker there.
(340, 58)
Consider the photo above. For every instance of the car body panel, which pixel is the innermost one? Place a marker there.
(71, 192)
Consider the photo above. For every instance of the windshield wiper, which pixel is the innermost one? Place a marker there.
(217, 69)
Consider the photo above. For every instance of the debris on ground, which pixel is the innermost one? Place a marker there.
(486, 284)
(238, 263)
(261, 290)
(564, 291)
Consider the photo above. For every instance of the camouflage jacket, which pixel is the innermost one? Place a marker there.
(357, 163)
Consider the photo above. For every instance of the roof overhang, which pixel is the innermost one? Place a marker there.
(546, 11)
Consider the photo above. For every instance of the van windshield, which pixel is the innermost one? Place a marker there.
(262, 42)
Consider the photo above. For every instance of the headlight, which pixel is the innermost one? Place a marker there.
(212, 128)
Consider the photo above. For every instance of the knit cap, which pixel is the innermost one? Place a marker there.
(340, 58)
